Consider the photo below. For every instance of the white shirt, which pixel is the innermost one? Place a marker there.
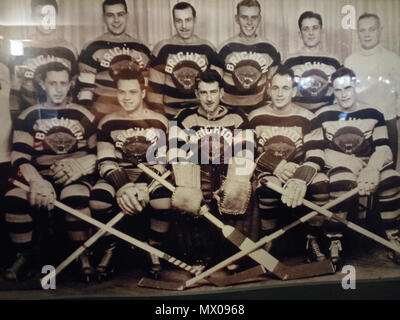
(378, 75)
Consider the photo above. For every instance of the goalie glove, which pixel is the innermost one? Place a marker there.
(294, 192)
(41, 194)
(68, 170)
(187, 199)
(234, 195)
(132, 198)
(368, 181)
(285, 170)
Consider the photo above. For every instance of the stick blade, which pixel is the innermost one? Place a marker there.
(307, 270)
(159, 284)
(244, 276)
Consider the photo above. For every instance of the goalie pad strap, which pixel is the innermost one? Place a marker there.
(117, 178)
(305, 173)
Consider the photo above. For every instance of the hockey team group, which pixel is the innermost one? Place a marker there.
(241, 132)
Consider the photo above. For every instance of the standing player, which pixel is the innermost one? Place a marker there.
(378, 73)
(45, 47)
(208, 131)
(248, 60)
(354, 141)
(282, 130)
(311, 66)
(177, 61)
(95, 87)
(124, 137)
(53, 150)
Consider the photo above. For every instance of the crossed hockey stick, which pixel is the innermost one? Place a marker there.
(107, 228)
(242, 242)
(248, 247)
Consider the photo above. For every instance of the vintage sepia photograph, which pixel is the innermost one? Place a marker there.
(199, 149)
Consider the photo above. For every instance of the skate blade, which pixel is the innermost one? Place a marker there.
(159, 284)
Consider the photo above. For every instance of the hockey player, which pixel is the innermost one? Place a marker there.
(282, 130)
(176, 63)
(248, 60)
(378, 73)
(207, 170)
(46, 46)
(311, 65)
(95, 87)
(350, 139)
(53, 150)
(124, 137)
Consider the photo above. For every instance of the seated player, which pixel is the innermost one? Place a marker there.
(205, 134)
(281, 132)
(124, 137)
(353, 145)
(54, 152)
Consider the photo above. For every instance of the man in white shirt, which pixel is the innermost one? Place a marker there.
(378, 73)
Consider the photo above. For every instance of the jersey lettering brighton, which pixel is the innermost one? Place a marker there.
(33, 64)
(236, 58)
(188, 56)
(117, 51)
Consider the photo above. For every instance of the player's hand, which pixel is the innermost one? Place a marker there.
(42, 194)
(131, 198)
(294, 192)
(66, 171)
(285, 170)
(368, 181)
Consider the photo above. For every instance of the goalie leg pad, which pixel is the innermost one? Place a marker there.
(187, 199)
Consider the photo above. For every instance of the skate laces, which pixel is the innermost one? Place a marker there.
(84, 260)
(108, 254)
(313, 245)
(336, 245)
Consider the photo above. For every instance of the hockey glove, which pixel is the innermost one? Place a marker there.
(68, 170)
(294, 192)
(285, 170)
(132, 198)
(42, 194)
(187, 199)
(368, 181)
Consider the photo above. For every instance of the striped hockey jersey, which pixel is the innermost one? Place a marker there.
(44, 135)
(25, 89)
(359, 133)
(196, 139)
(173, 71)
(282, 137)
(312, 75)
(120, 138)
(96, 88)
(245, 68)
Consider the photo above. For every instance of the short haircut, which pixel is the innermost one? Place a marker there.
(309, 15)
(52, 66)
(36, 3)
(209, 76)
(248, 3)
(284, 70)
(123, 67)
(369, 15)
(183, 6)
(114, 2)
(342, 72)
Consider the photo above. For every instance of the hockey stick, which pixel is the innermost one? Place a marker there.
(242, 242)
(90, 241)
(347, 223)
(293, 272)
(142, 245)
